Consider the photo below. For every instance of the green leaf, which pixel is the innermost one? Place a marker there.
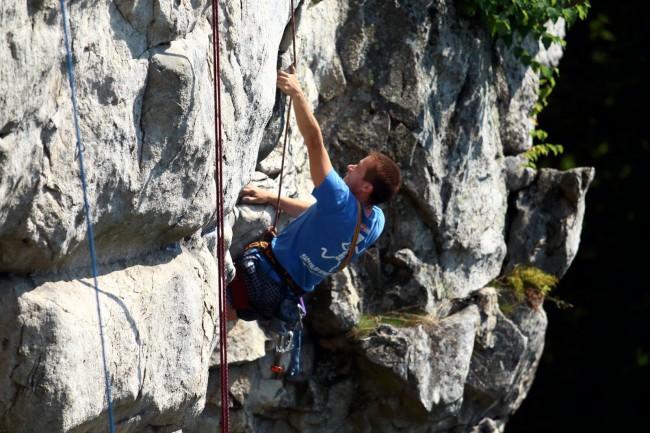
(569, 15)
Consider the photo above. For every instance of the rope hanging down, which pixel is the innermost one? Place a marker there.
(272, 229)
(91, 236)
(218, 174)
(221, 242)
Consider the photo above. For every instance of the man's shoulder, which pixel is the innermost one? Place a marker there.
(332, 180)
(332, 192)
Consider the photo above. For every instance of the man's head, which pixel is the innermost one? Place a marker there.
(375, 179)
(385, 177)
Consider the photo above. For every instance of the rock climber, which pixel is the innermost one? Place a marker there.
(315, 243)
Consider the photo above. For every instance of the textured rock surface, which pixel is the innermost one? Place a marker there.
(158, 316)
(413, 79)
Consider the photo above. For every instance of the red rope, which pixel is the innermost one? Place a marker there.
(218, 174)
(286, 132)
(221, 242)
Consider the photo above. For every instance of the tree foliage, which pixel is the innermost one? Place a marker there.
(513, 21)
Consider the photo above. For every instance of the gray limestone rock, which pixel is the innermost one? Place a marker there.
(415, 80)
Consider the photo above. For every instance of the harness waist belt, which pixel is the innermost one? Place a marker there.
(265, 247)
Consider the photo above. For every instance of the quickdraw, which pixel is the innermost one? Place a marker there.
(286, 340)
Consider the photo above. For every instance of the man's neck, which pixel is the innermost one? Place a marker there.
(367, 208)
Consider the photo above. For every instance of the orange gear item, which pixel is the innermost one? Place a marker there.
(276, 369)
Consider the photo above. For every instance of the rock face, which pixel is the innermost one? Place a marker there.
(158, 323)
(413, 79)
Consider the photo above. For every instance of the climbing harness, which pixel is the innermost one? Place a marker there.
(265, 248)
(91, 236)
(221, 239)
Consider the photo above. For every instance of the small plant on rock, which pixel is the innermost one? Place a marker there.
(398, 319)
(527, 284)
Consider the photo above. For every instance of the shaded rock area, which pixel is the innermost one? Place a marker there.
(414, 79)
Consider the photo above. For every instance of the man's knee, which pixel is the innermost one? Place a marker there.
(237, 293)
(231, 313)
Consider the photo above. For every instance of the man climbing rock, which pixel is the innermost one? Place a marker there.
(317, 242)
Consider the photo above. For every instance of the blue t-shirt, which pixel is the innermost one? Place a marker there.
(316, 243)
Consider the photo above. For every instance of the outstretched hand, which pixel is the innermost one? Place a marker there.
(293, 207)
(288, 83)
(251, 194)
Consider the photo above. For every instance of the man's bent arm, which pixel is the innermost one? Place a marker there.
(319, 161)
(293, 207)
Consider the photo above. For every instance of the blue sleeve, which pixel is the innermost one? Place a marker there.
(332, 194)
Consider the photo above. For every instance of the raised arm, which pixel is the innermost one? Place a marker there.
(319, 161)
(293, 207)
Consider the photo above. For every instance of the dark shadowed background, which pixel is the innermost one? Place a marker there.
(594, 375)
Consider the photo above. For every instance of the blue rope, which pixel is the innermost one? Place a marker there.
(91, 236)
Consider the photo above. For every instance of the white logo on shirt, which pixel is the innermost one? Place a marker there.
(345, 247)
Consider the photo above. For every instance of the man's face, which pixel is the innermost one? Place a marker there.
(354, 178)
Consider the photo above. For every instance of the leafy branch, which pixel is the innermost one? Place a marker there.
(543, 149)
(515, 20)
